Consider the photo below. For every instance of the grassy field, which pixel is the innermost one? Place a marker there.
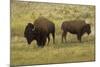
(72, 51)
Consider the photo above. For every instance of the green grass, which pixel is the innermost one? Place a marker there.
(72, 51)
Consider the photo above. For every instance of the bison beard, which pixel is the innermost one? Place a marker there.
(78, 27)
(40, 31)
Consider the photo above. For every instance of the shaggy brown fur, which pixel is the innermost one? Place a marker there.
(78, 27)
(44, 27)
(41, 30)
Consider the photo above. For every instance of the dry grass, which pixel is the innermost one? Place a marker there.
(72, 51)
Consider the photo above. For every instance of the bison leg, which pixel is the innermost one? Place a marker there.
(79, 37)
(39, 43)
(53, 35)
(48, 39)
(64, 36)
(43, 42)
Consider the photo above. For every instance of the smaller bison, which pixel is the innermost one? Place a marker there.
(78, 27)
(40, 31)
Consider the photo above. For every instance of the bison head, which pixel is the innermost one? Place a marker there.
(87, 29)
(29, 33)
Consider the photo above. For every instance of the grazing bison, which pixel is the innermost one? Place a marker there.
(40, 31)
(78, 27)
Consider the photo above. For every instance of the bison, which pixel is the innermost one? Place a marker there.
(40, 31)
(78, 27)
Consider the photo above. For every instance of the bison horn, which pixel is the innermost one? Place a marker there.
(33, 29)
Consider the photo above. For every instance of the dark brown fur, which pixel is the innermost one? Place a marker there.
(41, 30)
(78, 27)
(44, 27)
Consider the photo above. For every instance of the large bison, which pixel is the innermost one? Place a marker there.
(40, 31)
(78, 27)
